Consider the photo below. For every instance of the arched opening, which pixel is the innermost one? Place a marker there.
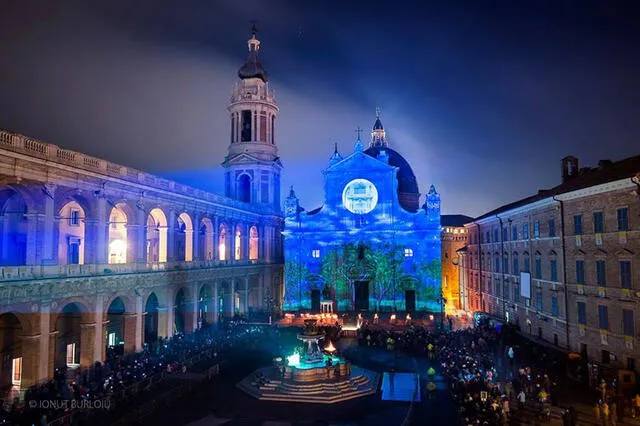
(253, 243)
(205, 242)
(151, 319)
(10, 353)
(117, 235)
(180, 311)
(115, 328)
(222, 243)
(13, 243)
(71, 234)
(244, 188)
(68, 339)
(204, 305)
(156, 236)
(184, 238)
(238, 243)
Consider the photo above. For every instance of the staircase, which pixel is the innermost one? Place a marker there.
(361, 383)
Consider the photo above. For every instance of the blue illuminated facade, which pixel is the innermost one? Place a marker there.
(370, 247)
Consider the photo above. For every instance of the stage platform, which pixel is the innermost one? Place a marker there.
(400, 387)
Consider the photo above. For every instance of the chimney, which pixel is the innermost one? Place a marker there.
(570, 168)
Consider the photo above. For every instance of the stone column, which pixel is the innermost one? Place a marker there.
(232, 242)
(171, 236)
(139, 237)
(139, 324)
(45, 329)
(212, 316)
(32, 238)
(245, 299)
(87, 343)
(100, 345)
(30, 360)
(49, 254)
(100, 243)
(130, 330)
(260, 306)
(230, 308)
(216, 235)
(245, 242)
(191, 320)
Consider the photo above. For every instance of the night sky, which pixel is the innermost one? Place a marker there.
(482, 98)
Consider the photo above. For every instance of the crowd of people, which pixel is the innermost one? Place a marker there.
(487, 379)
(103, 384)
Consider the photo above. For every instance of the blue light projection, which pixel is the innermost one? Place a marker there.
(364, 249)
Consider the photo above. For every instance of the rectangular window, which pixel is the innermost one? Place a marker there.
(539, 301)
(516, 293)
(245, 135)
(525, 231)
(601, 273)
(71, 354)
(527, 265)
(552, 227)
(628, 325)
(516, 267)
(603, 317)
(505, 265)
(580, 271)
(74, 218)
(625, 274)
(315, 253)
(497, 287)
(582, 313)
(539, 268)
(263, 127)
(495, 236)
(488, 237)
(514, 233)
(408, 252)
(505, 234)
(497, 265)
(505, 290)
(598, 222)
(577, 224)
(111, 339)
(553, 264)
(623, 219)
(536, 229)
(554, 306)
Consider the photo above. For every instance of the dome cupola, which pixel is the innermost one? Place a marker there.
(253, 68)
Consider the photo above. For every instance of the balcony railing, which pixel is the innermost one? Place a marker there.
(22, 273)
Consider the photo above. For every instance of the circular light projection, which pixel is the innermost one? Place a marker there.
(360, 196)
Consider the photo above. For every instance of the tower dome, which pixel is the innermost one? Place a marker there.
(408, 193)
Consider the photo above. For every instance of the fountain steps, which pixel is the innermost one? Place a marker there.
(363, 383)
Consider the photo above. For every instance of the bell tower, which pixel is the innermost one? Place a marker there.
(252, 166)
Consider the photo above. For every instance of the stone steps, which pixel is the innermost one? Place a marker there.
(362, 383)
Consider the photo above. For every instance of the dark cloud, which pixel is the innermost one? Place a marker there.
(483, 101)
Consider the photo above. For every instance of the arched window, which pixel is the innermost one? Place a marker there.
(516, 264)
(156, 236)
(71, 240)
(222, 243)
(244, 188)
(117, 235)
(253, 243)
(238, 243)
(205, 235)
(184, 238)
(14, 226)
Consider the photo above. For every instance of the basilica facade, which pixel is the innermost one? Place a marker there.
(94, 254)
(370, 246)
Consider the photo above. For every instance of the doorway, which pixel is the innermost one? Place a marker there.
(315, 301)
(410, 300)
(361, 293)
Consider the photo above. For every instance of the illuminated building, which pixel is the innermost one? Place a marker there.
(454, 237)
(562, 264)
(95, 254)
(370, 246)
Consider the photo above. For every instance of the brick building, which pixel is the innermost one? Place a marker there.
(454, 237)
(563, 263)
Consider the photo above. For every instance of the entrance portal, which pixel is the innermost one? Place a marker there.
(361, 293)
(315, 301)
(410, 300)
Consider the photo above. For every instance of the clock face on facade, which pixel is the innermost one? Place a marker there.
(360, 196)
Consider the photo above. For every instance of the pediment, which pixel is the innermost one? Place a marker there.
(246, 158)
(359, 160)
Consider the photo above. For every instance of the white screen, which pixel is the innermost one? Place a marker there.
(525, 284)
